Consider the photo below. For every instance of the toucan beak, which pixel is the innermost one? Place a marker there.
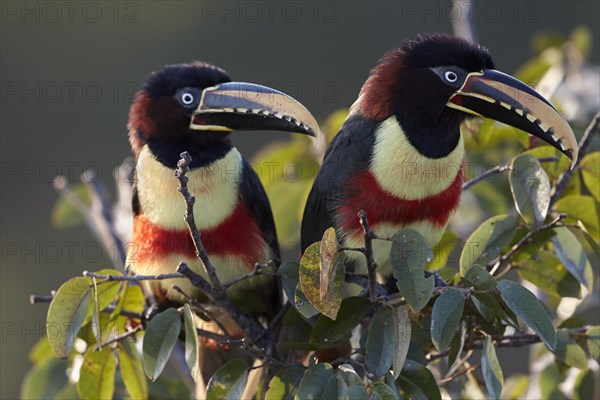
(501, 97)
(235, 106)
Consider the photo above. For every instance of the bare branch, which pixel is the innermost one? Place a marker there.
(133, 278)
(498, 170)
(121, 337)
(183, 167)
(371, 263)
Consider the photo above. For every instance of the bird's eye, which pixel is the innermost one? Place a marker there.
(451, 76)
(187, 98)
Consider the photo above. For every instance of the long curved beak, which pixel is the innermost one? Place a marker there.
(235, 106)
(501, 97)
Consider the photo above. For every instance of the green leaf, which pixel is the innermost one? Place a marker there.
(527, 307)
(515, 387)
(582, 39)
(352, 312)
(67, 314)
(310, 278)
(570, 252)
(590, 170)
(97, 375)
(487, 242)
(64, 214)
(445, 317)
(550, 378)
(41, 352)
(404, 333)
(132, 370)
(384, 391)
(417, 382)
(585, 385)
(349, 375)
(532, 246)
(593, 342)
(44, 380)
(285, 383)
(191, 341)
(381, 342)
(442, 251)
(314, 381)
(568, 351)
(228, 382)
(409, 253)
(479, 278)
(456, 345)
(491, 369)
(530, 188)
(492, 303)
(329, 256)
(547, 273)
(358, 392)
(160, 338)
(583, 208)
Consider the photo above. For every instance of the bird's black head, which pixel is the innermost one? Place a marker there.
(194, 107)
(433, 82)
(163, 108)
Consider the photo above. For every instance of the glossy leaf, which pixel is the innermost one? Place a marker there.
(487, 242)
(132, 371)
(381, 342)
(192, 351)
(409, 253)
(572, 255)
(67, 314)
(547, 273)
(384, 391)
(349, 375)
(530, 188)
(527, 307)
(479, 278)
(456, 345)
(285, 383)
(290, 281)
(445, 317)
(352, 312)
(314, 381)
(583, 208)
(310, 278)
(417, 382)
(593, 341)
(97, 375)
(403, 344)
(228, 382)
(491, 369)
(160, 338)
(590, 170)
(569, 352)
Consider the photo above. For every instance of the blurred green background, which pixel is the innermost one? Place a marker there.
(69, 71)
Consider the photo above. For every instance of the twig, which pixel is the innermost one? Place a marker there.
(371, 263)
(215, 290)
(183, 167)
(520, 243)
(203, 309)
(133, 278)
(497, 170)
(121, 337)
(257, 270)
(456, 375)
(586, 139)
(36, 299)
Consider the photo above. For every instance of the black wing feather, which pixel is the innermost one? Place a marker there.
(349, 153)
(254, 196)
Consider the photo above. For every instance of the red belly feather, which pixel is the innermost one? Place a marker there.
(238, 235)
(383, 207)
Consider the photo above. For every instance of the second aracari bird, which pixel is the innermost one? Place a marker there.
(194, 107)
(399, 155)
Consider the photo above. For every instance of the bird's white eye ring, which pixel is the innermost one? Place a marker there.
(187, 98)
(450, 76)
